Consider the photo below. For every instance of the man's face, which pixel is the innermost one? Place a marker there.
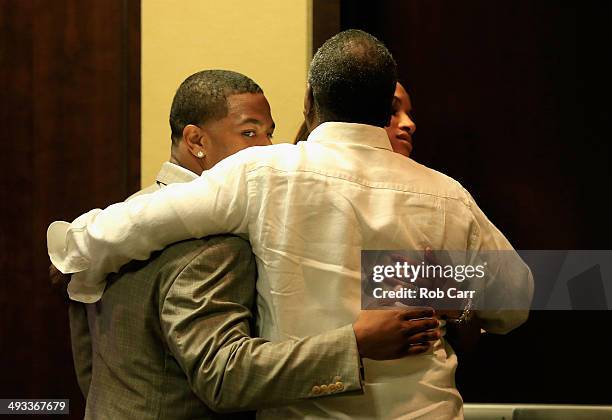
(248, 123)
(402, 127)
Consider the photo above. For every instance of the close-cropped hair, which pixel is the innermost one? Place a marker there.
(203, 97)
(352, 77)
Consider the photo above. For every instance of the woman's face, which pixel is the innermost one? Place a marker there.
(402, 127)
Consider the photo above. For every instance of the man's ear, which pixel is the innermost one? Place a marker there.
(194, 140)
(309, 108)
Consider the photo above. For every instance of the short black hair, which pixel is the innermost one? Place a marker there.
(352, 77)
(203, 97)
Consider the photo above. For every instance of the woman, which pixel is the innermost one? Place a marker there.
(401, 128)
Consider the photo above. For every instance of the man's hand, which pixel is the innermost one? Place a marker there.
(387, 334)
(446, 308)
(58, 279)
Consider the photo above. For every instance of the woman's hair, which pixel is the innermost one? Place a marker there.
(302, 133)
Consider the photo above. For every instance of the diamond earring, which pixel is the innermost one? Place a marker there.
(200, 154)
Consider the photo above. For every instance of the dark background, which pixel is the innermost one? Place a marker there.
(70, 121)
(512, 99)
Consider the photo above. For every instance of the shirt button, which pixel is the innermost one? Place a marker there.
(324, 389)
(339, 386)
(316, 390)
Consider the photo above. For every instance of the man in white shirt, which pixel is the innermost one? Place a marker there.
(170, 338)
(308, 211)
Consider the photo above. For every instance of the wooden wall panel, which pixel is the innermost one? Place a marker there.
(512, 99)
(70, 118)
(325, 21)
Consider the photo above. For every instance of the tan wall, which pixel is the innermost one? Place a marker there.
(268, 40)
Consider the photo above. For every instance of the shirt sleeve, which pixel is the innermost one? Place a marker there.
(205, 318)
(505, 297)
(102, 241)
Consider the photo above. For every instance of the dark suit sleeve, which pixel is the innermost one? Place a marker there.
(205, 318)
(81, 345)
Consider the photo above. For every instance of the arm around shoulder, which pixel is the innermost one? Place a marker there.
(102, 241)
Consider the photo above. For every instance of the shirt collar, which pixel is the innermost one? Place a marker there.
(171, 173)
(342, 132)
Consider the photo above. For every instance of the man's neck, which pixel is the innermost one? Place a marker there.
(175, 158)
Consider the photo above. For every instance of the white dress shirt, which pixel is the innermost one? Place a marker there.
(309, 210)
(169, 173)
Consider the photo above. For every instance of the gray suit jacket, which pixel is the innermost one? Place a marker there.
(170, 339)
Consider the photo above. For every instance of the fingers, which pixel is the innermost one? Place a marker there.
(424, 337)
(415, 326)
(414, 349)
(448, 313)
(417, 312)
(419, 343)
(402, 259)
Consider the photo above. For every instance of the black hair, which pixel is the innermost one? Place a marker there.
(352, 77)
(203, 97)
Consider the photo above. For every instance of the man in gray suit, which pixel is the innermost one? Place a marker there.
(170, 338)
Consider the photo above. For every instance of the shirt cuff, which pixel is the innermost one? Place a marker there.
(64, 254)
